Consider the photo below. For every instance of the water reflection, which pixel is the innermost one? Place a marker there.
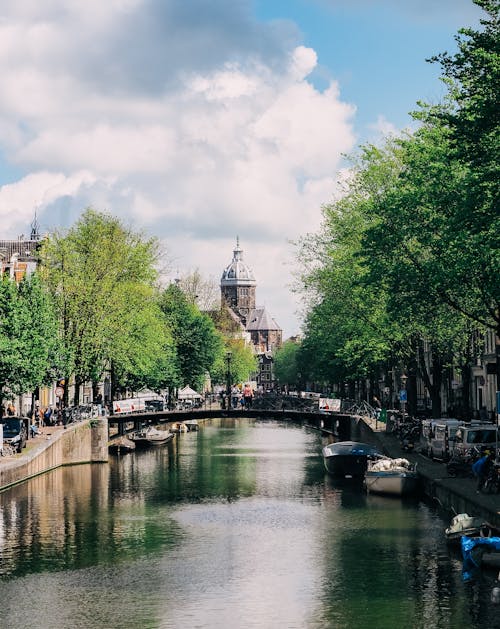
(234, 525)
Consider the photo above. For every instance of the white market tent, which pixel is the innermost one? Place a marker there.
(187, 393)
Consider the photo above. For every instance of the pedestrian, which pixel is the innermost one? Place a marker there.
(11, 410)
(47, 416)
(481, 469)
(40, 415)
(248, 396)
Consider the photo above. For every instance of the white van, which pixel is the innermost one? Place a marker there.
(441, 438)
(475, 436)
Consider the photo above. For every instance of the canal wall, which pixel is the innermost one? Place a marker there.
(83, 442)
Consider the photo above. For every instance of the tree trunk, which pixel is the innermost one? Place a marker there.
(437, 378)
(112, 377)
(78, 384)
(412, 380)
(434, 385)
(465, 410)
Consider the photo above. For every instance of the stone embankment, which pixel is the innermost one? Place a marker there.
(455, 495)
(82, 442)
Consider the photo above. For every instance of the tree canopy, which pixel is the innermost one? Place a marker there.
(410, 253)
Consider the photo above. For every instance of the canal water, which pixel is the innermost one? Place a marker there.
(235, 526)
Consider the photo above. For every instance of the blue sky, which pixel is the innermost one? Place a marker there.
(377, 49)
(201, 120)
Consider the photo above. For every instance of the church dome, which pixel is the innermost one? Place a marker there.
(237, 273)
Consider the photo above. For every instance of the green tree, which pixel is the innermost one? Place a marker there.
(28, 336)
(10, 334)
(145, 356)
(197, 342)
(347, 333)
(100, 275)
(40, 358)
(243, 362)
(286, 365)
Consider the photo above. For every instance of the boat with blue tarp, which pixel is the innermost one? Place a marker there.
(479, 552)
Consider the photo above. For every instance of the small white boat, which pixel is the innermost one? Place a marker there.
(468, 525)
(191, 425)
(150, 437)
(178, 427)
(395, 477)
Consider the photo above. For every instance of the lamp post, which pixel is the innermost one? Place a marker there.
(229, 356)
(403, 394)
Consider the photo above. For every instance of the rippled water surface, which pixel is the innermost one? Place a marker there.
(234, 526)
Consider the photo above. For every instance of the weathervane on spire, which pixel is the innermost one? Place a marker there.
(35, 229)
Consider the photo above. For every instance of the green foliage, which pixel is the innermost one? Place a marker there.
(243, 362)
(286, 366)
(197, 343)
(101, 276)
(10, 333)
(40, 360)
(411, 252)
(28, 335)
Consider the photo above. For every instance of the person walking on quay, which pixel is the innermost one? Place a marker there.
(481, 469)
(11, 410)
(248, 396)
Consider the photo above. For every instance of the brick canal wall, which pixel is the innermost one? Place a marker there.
(84, 442)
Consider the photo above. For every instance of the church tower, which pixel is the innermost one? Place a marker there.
(238, 285)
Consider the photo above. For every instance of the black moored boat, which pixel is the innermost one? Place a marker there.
(348, 458)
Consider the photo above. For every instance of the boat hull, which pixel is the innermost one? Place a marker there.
(464, 525)
(121, 445)
(152, 440)
(391, 483)
(348, 458)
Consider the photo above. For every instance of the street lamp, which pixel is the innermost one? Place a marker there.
(229, 356)
(403, 394)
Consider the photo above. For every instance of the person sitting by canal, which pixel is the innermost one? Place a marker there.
(481, 468)
(34, 429)
(47, 416)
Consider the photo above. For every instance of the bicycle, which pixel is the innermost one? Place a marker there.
(491, 483)
(7, 450)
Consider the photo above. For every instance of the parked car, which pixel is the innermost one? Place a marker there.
(154, 405)
(15, 432)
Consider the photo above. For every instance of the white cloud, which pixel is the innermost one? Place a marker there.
(210, 145)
